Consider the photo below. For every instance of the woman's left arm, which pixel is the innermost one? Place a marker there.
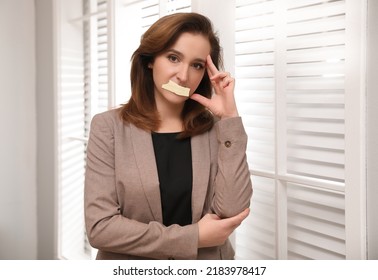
(232, 184)
(233, 187)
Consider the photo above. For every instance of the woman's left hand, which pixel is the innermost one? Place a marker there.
(222, 103)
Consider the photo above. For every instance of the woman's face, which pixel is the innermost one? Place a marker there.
(184, 63)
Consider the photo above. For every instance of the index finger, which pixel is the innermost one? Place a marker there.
(211, 68)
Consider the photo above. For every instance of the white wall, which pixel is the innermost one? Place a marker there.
(18, 210)
(46, 127)
(372, 133)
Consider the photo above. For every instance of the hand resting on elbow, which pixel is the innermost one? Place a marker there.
(214, 231)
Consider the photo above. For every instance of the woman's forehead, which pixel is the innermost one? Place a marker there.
(192, 45)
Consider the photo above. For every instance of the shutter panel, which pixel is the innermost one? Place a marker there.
(315, 127)
(71, 149)
(254, 70)
(289, 66)
(315, 72)
(84, 92)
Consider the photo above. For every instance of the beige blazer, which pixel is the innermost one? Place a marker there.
(122, 198)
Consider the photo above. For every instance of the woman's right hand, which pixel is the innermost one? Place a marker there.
(214, 231)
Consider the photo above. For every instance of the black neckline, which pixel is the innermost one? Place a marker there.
(165, 133)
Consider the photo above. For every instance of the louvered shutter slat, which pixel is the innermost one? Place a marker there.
(251, 9)
(315, 69)
(323, 156)
(256, 71)
(315, 125)
(321, 9)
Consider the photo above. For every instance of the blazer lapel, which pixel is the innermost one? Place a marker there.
(145, 159)
(201, 173)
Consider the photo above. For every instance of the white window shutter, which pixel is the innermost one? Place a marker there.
(84, 92)
(290, 68)
(315, 59)
(254, 70)
(71, 123)
(255, 95)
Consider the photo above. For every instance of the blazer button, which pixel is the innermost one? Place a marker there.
(227, 144)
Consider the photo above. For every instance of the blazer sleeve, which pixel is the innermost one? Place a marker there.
(232, 185)
(107, 229)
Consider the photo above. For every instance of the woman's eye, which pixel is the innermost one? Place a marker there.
(173, 58)
(198, 66)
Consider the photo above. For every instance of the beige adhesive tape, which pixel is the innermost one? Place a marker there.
(175, 88)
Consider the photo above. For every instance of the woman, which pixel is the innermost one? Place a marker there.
(164, 179)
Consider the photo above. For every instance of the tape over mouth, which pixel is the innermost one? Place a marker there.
(176, 89)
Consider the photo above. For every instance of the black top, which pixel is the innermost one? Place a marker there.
(174, 165)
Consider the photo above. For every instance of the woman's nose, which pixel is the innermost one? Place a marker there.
(182, 74)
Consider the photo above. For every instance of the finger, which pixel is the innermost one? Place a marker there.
(201, 99)
(223, 79)
(236, 220)
(220, 75)
(245, 213)
(241, 216)
(227, 81)
(211, 68)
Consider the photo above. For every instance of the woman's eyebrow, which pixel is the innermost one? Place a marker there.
(200, 60)
(175, 52)
(180, 54)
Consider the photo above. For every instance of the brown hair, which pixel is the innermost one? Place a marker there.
(141, 108)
